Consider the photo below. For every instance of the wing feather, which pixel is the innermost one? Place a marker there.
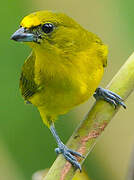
(27, 84)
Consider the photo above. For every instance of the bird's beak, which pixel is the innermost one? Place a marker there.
(22, 35)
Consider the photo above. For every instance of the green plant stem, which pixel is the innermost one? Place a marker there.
(86, 134)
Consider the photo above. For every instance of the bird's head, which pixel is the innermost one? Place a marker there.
(48, 29)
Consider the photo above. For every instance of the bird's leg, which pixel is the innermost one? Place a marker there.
(109, 96)
(66, 152)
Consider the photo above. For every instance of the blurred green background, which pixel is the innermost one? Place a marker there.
(26, 145)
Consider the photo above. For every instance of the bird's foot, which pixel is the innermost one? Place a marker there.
(69, 155)
(109, 96)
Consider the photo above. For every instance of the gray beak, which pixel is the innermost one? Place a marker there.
(21, 35)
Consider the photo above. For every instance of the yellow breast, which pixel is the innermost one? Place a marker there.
(65, 85)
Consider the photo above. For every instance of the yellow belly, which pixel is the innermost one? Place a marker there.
(66, 85)
(58, 97)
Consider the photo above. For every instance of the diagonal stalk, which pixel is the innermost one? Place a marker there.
(86, 134)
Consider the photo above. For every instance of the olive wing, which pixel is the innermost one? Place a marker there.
(27, 84)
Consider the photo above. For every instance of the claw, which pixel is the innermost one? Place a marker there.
(76, 153)
(69, 155)
(116, 95)
(109, 96)
(74, 163)
(122, 104)
(79, 167)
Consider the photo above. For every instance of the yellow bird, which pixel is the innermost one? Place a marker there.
(63, 70)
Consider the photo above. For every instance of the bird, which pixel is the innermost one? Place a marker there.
(63, 70)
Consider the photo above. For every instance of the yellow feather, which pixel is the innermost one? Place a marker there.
(69, 64)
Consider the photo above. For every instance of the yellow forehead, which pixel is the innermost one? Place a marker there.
(38, 18)
(30, 21)
(41, 17)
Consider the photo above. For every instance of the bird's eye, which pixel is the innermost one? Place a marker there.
(47, 28)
